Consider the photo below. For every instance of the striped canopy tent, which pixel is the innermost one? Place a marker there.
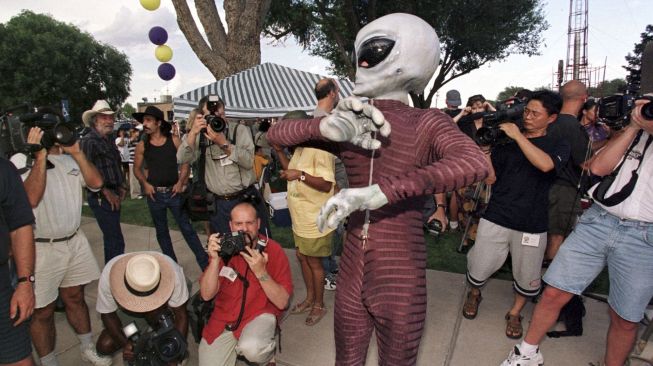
(266, 90)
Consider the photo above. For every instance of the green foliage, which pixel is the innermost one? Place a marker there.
(471, 33)
(44, 61)
(609, 87)
(128, 110)
(634, 60)
(508, 92)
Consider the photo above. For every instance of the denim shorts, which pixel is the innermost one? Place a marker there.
(625, 246)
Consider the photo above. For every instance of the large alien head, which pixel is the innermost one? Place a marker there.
(394, 55)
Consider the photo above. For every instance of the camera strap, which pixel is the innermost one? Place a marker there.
(234, 326)
(626, 190)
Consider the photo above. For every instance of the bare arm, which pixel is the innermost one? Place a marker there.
(535, 155)
(209, 282)
(276, 293)
(37, 178)
(181, 319)
(22, 246)
(606, 160)
(139, 155)
(113, 325)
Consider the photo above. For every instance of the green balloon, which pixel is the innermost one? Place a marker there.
(151, 4)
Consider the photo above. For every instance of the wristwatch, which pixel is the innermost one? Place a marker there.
(440, 205)
(29, 278)
(303, 176)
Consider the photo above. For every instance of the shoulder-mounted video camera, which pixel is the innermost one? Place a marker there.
(235, 242)
(157, 347)
(490, 133)
(16, 122)
(615, 110)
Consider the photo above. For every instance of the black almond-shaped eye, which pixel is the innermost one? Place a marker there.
(373, 51)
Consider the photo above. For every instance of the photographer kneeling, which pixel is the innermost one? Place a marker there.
(149, 289)
(249, 277)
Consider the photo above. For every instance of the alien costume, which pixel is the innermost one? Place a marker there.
(381, 283)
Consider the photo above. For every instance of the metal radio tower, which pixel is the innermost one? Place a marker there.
(577, 63)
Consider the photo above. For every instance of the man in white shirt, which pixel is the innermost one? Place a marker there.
(618, 231)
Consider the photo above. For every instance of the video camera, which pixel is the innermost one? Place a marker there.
(16, 122)
(217, 123)
(490, 133)
(615, 110)
(235, 242)
(157, 347)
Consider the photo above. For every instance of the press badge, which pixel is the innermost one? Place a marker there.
(229, 273)
(224, 160)
(531, 240)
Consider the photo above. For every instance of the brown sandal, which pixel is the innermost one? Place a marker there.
(470, 308)
(514, 329)
(317, 313)
(301, 307)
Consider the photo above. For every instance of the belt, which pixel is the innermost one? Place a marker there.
(231, 196)
(47, 240)
(163, 189)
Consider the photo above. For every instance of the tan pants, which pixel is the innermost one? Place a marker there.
(134, 185)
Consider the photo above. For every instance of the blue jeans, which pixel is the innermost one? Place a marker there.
(109, 223)
(159, 211)
(625, 246)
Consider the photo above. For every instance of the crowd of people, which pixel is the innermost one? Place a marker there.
(362, 179)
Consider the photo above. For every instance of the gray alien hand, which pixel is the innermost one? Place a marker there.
(338, 207)
(354, 121)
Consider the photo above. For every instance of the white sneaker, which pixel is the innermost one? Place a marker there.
(90, 355)
(515, 358)
(330, 283)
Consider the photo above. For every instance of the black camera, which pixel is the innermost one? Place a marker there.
(434, 227)
(217, 123)
(157, 347)
(235, 242)
(490, 133)
(615, 110)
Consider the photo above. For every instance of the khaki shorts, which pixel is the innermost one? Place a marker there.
(314, 247)
(63, 264)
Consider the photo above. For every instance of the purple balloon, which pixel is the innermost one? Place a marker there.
(158, 35)
(166, 71)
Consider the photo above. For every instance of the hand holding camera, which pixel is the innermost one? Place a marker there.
(34, 138)
(213, 247)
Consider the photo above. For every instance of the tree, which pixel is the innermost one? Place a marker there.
(472, 33)
(609, 87)
(43, 61)
(634, 60)
(225, 53)
(508, 92)
(128, 110)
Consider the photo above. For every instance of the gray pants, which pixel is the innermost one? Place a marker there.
(256, 344)
(493, 243)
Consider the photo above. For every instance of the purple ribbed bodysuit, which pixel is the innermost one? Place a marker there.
(383, 286)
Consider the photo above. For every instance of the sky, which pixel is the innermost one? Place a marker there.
(614, 28)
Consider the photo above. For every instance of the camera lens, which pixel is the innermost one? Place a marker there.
(217, 123)
(64, 134)
(169, 348)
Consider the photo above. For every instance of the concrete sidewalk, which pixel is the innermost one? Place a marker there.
(448, 338)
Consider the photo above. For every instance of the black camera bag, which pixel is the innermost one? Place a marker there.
(197, 201)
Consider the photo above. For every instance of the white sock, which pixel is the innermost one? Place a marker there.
(85, 340)
(527, 349)
(49, 360)
(453, 224)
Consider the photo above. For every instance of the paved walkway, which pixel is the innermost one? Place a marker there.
(448, 338)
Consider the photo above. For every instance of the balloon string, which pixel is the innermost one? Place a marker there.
(366, 224)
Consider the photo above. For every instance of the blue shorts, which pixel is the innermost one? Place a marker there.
(625, 246)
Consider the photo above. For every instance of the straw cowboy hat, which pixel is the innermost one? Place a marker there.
(101, 106)
(141, 282)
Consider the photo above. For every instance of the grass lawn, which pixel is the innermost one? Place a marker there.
(442, 254)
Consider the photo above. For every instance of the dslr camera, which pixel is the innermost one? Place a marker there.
(157, 347)
(16, 122)
(490, 133)
(615, 110)
(217, 123)
(235, 242)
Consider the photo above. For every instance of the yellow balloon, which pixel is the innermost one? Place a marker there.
(151, 4)
(163, 53)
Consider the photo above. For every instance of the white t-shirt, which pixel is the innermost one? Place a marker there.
(107, 304)
(124, 149)
(59, 213)
(639, 205)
